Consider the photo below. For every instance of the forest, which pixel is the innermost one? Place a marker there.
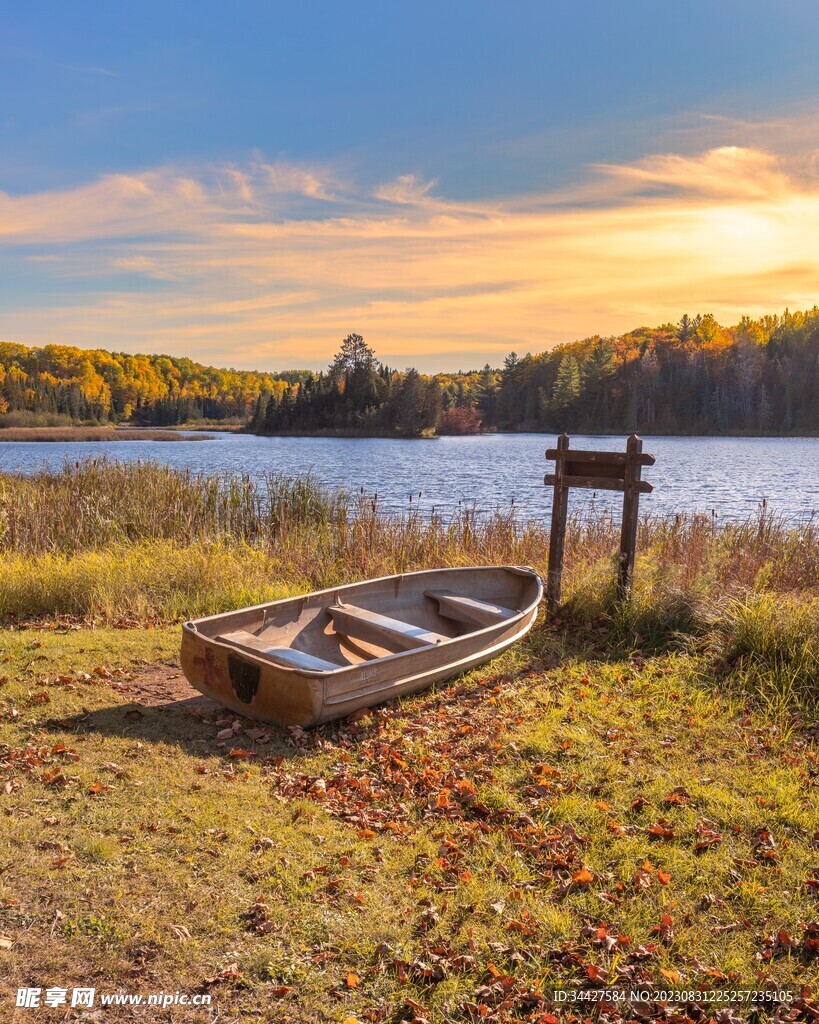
(694, 377)
(760, 376)
(357, 394)
(95, 386)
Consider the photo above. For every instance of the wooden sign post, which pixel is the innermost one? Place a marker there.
(599, 471)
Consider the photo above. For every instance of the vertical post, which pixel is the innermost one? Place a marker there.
(557, 536)
(631, 499)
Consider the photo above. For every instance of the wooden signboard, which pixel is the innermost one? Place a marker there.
(599, 471)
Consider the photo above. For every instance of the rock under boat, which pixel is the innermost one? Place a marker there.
(310, 659)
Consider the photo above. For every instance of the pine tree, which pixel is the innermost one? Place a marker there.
(567, 385)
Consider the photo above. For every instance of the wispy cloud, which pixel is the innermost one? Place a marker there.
(269, 264)
(83, 69)
(406, 189)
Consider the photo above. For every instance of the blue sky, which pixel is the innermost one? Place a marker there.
(137, 141)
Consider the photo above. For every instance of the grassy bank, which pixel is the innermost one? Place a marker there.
(108, 540)
(626, 798)
(74, 433)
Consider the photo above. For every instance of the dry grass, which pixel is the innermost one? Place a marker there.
(92, 504)
(99, 538)
(106, 539)
(74, 433)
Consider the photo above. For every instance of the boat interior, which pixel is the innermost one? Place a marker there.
(335, 629)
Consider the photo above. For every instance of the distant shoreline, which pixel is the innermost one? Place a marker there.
(578, 432)
(191, 433)
(63, 434)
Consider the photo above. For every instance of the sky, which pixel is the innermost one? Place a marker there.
(247, 183)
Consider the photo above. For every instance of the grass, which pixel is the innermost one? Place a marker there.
(27, 418)
(519, 830)
(107, 540)
(92, 433)
(627, 797)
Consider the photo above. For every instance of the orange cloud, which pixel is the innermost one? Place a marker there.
(270, 264)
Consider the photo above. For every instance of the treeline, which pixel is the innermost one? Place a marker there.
(696, 376)
(92, 385)
(760, 376)
(357, 394)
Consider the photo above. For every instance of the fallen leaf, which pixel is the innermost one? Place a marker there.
(665, 929)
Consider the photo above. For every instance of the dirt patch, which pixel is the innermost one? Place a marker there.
(159, 685)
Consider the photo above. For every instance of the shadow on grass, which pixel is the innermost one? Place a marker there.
(160, 712)
(589, 628)
(189, 724)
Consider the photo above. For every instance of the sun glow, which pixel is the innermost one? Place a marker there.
(269, 264)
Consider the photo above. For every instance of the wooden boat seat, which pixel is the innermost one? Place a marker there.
(283, 655)
(373, 628)
(469, 609)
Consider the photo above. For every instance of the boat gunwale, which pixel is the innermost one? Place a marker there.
(325, 674)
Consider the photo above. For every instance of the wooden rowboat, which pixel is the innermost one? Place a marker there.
(310, 659)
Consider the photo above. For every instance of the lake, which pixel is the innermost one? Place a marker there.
(731, 476)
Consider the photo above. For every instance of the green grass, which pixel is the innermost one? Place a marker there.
(448, 857)
(444, 835)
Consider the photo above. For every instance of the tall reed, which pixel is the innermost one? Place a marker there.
(100, 537)
(97, 503)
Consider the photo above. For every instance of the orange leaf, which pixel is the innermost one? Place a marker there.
(663, 877)
(53, 777)
(352, 979)
(582, 877)
(672, 976)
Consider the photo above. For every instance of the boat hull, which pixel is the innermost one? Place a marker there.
(251, 685)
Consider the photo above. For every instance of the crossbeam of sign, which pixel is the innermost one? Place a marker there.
(598, 471)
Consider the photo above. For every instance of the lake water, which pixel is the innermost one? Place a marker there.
(731, 476)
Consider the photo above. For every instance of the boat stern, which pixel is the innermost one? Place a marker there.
(249, 685)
